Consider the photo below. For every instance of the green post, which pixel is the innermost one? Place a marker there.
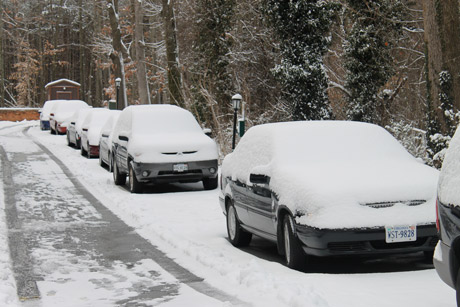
(112, 105)
(241, 125)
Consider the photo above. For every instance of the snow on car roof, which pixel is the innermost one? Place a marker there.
(161, 118)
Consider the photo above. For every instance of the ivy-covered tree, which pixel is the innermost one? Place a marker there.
(375, 24)
(211, 47)
(302, 27)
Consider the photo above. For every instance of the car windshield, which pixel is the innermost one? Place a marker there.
(339, 142)
(159, 121)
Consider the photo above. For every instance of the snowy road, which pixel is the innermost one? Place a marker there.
(85, 242)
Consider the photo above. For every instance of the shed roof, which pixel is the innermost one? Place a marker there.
(61, 81)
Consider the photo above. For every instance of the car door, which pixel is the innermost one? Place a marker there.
(259, 204)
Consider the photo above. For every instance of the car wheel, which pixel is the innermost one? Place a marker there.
(457, 288)
(118, 178)
(68, 140)
(110, 162)
(88, 152)
(78, 143)
(294, 254)
(210, 183)
(82, 151)
(134, 185)
(52, 131)
(101, 162)
(236, 235)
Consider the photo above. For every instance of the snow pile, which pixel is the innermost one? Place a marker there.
(329, 171)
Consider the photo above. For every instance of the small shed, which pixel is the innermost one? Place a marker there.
(62, 89)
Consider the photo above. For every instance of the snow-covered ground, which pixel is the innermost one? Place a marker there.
(188, 225)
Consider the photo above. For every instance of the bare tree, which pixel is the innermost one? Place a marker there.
(139, 47)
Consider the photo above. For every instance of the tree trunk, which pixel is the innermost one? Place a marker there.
(117, 54)
(174, 77)
(2, 71)
(139, 45)
(442, 25)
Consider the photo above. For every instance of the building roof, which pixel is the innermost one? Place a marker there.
(62, 80)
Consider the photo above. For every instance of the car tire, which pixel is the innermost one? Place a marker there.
(210, 183)
(88, 152)
(134, 185)
(52, 131)
(110, 165)
(82, 151)
(68, 140)
(295, 256)
(118, 178)
(236, 235)
(77, 143)
(101, 162)
(457, 288)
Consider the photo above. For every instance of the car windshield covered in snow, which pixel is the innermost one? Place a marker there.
(164, 120)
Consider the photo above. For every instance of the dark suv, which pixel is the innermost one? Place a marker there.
(447, 254)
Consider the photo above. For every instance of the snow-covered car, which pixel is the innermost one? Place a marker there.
(74, 128)
(105, 140)
(45, 114)
(162, 144)
(91, 130)
(328, 188)
(447, 257)
(61, 112)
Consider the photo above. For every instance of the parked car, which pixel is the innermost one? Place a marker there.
(161, 144)
(105, 140)
(91, 130)
(74, 129)
(60, 112)
(328, 188)
(45, 114)
(447, 255)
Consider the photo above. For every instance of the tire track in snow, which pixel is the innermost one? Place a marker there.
(127, 245)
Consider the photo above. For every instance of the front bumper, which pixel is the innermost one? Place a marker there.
(164, 172)
(367, 241)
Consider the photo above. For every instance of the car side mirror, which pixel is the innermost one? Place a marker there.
(123, 138)
(259, 179)
(207, 131)
(72, 123)
(85, 129)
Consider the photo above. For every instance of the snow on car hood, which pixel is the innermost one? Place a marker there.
(172, 147)
(357, 194)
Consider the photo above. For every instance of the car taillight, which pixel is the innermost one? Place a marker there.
(437, 216)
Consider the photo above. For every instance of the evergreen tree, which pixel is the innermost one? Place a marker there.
(302, 27)
(368, 59)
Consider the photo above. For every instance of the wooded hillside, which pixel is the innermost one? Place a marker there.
(390, 62)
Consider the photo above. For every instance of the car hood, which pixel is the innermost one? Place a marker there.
(172, 147)
(358, 194)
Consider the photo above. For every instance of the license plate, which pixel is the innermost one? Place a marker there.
(404, 233)
(180, 168)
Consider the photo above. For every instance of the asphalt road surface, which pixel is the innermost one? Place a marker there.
(68, 249)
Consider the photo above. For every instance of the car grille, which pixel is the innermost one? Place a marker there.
(387, 204)
(347, 246)
(179, 153)
(193, 171)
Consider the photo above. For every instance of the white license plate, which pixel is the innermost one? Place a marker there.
(180, 168)
(404, 233)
